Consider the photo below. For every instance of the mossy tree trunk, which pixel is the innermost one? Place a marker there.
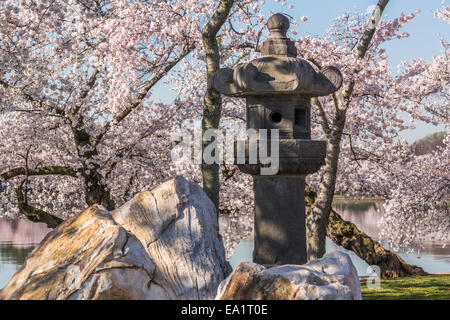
(347, 235)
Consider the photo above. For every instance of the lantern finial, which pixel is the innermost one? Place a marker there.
(278, 25)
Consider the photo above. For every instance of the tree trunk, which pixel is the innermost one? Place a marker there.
(316, 222)
(347, 235)
(35, 214)
(96, 192)
(212, 102)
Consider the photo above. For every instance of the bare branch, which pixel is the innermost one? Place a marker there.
(43, 171)
(324, 123)
(363, 46)
(84, 93)
(35, 214)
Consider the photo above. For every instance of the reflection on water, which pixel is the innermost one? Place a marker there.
(434, 257)
(364, 215)
(17, 240)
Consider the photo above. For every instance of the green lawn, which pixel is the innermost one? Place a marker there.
(433, 287)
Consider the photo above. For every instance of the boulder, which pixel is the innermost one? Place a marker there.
(178, 227)
(90, 250)
(162, 244)
(334, 277)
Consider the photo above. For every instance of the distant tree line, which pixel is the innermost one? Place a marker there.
(428, 143)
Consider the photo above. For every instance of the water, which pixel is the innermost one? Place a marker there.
(19, 237)
(17, 240)
(434, 258)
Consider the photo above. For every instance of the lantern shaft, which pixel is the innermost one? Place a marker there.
(279, 227)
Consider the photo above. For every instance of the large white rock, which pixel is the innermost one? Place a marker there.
(162, 244)
(178, 226)
(334, 277)
(88, 250)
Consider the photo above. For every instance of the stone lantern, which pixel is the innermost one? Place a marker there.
(278, 88)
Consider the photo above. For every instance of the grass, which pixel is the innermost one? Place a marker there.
(433, 287)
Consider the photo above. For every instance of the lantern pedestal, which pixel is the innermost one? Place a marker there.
(279, 232)
(279, 225)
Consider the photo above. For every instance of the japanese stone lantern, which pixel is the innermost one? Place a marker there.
(278, 88)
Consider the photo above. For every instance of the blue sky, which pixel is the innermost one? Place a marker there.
(425, 32)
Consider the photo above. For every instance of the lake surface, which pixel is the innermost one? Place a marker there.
(19, 237)
(434, 258)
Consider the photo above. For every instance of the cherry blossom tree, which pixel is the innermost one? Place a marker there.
(80, 124)
(80, 121)
(416, 186)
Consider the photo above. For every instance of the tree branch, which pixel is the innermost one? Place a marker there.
(35, 214)
(363, 46)
(42, 171)
(347, 235)
(325, 124)
(212, 106)
(84, 93)
(142, 96)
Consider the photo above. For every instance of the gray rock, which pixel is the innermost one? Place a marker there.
(334, 277)
(162, 244)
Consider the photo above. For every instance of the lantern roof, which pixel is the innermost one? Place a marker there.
(278, 71)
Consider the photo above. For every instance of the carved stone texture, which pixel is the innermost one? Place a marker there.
(290, 115)
(277, 76)
(334, 277)
(286, 167)
(278, 44)
(278, 25)
(162, 244)
(296, 157)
